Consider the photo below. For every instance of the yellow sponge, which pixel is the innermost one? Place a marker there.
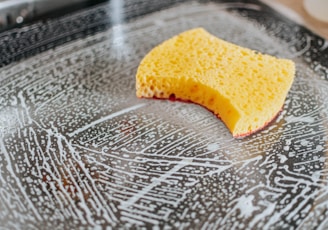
(242, 87)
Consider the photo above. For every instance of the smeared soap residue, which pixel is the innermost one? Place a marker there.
(292, 119)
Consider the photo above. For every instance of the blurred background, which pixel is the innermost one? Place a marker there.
(17, 12)
(312, 14)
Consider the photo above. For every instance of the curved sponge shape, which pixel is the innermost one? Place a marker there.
(245, 89)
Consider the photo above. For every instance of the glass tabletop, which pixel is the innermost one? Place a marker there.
(78, 149)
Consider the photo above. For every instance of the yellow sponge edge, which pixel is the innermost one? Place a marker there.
(245, 89)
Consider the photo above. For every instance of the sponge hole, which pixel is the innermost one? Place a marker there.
(211, 101)
(172, 97)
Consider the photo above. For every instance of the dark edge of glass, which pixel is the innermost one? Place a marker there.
(19, 43)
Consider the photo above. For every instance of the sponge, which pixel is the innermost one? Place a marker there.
(244, 88)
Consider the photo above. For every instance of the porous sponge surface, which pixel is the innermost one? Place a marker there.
(244, 88)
